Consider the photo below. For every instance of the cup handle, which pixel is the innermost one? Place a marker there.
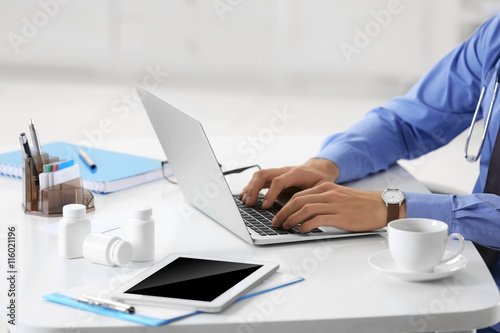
(462, 244)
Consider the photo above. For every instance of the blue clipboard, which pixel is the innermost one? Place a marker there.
(141, 319)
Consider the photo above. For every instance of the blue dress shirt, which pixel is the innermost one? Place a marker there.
(433, 112)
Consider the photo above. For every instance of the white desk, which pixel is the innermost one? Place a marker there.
(341, 293)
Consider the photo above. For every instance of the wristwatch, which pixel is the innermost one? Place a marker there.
(393, 199)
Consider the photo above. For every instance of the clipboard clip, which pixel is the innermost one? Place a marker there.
(107, 304)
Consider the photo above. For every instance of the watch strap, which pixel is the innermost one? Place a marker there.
(392, 212)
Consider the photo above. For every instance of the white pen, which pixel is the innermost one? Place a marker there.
(34, 138)
(88, 161)
(107, 303)
(39, 161)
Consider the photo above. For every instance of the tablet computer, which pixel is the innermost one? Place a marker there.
(194, 282)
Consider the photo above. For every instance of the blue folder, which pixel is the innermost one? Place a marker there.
(141, 319)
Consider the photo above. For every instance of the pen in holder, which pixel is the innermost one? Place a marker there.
(50, 201)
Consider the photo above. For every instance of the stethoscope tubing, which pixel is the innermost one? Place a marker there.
(474, 158)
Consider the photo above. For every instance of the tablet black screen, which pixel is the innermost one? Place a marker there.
(194, 279)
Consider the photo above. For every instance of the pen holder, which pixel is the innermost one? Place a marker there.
(50, 201)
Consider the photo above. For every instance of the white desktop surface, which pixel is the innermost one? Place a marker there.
(341, 291)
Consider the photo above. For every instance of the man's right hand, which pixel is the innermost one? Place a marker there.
(313, 172)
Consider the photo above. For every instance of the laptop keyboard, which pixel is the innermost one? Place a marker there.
(260, 220)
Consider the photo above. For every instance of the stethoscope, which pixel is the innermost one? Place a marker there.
(474, 158)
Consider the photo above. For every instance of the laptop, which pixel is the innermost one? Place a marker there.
(200, 178)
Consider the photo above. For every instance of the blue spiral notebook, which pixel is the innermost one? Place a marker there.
(115, 171)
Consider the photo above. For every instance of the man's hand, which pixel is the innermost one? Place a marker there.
(308, 175)
(329, 204)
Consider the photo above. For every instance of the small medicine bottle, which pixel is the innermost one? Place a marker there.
(73, 228)
(107, 250)
(141, 233)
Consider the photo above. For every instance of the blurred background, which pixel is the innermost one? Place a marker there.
(71, 65)
(245, 42)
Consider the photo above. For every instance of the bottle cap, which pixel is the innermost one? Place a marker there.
(141, 212)
(74, 211)
(121, 253)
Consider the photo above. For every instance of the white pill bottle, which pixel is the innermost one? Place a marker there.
(141, 233)
(107, 250)
(72, 230)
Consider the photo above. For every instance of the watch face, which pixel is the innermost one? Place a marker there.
(393, 197)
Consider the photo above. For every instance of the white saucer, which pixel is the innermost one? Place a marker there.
(383, 262)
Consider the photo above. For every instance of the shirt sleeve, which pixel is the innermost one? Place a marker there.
(474, 216)
(435, 110)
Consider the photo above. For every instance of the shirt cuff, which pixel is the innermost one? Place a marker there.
(431, 206)
(344, 156)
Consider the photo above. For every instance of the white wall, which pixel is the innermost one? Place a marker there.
(237, 40)
(71, 64)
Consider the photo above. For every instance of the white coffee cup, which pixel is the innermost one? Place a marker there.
(419, 244)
